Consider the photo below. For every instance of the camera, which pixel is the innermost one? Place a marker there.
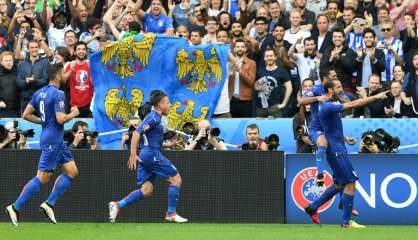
(384, 141)
(92, 134)
(26, 133)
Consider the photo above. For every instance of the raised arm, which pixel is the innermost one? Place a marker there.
(363, 101)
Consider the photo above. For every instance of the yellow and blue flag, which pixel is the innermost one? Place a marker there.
(124, 74)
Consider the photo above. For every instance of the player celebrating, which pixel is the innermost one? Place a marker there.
(48, 104)
(343, 172)
(314, 97)
(152, 163)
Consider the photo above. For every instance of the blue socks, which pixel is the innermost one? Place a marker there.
(61, 185)
(347, 207)
(31, 189)
(131, 198)
(327, 195)
(173, 197)
(320, 157)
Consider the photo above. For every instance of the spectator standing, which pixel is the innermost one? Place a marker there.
(392, 47)
(31, 74)
(80, 83)
(341, 58)
(273, 87)
(369, 60)
(9, 94)
(241, 82)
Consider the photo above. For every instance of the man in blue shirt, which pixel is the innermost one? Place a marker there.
(47, 108)
(155, 21)
(343, 173)
(152, 163)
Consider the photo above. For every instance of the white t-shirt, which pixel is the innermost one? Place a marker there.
(56, 36)
(292, 38)
(305, 66)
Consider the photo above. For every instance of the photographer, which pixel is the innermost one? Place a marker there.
(367, 143)
(8, 138)
(83, 138)
(254, 142)
(204, 140)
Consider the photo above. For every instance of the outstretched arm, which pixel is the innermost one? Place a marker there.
(363, 101)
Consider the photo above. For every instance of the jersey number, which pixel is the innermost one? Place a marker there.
(42, 110)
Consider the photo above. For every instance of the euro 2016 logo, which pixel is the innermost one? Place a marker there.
(304, 188)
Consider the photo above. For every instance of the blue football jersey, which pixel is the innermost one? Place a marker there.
(329, 116)
(152, 131)
(47, 101)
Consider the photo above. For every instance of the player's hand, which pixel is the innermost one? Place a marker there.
(133, 158)
(382, 95)
(74, 111)
(320, 180)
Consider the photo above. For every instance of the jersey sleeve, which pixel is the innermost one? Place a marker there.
(33, 100)
(59, 103)
(149, 122)
(332, 107)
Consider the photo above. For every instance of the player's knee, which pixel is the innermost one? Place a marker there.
(44, 177)
(176, 180)
(350, 188)
(147, 189)
(72, 173)
(147, 192)
(322, 141)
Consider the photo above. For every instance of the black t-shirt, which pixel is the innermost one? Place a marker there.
(274, 82)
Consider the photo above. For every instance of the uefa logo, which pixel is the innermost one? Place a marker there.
(304, 188)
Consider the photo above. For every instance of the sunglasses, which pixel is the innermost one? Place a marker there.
(386, 29)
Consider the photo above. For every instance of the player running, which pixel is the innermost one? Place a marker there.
(152, 163)
(336, 154)
(47, 108)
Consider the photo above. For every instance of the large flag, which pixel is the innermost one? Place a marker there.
(124, 74)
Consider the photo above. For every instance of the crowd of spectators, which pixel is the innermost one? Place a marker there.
(369, 45)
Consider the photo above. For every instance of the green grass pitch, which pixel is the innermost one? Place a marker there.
(102, 231)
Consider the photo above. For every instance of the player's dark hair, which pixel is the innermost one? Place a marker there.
(78, 124)
(156, 96)
(53, 70)
(328, 85)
